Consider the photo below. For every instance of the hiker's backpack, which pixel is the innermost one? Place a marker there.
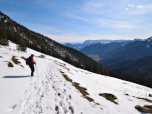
(28, 61)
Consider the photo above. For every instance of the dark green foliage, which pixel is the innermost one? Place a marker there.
(112, 73)
(3, 42)
(22, 45)
(97, 68)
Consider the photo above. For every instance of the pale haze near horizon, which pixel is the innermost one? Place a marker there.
(72, 21)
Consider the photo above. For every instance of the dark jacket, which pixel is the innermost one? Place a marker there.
(31, 61)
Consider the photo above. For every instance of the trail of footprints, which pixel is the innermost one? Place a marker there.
(40, 88)
(62, 98)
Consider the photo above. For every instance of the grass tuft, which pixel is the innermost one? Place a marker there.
(109, 97)
(15, 60)
(82, 90)
(148, 100)
(23, 58)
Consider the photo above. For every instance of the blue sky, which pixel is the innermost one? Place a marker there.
(79, 20)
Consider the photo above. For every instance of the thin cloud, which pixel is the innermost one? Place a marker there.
(140, 6)
(115, 24)
(93, 8)
(72, 15)
(130, 5)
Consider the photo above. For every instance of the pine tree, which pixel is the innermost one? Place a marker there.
(106, 71)
(122, 77)
(21, 46)
(112, 73)
(87, 64)
(102, 70)
(97, 68)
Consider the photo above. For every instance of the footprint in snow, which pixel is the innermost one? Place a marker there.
(24, 91)
(12, 107)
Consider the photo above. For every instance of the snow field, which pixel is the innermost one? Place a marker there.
(49, 93)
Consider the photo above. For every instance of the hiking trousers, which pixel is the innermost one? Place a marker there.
(32, 69)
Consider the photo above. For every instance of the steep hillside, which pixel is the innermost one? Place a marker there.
(19, 34)
(60, 88)
(139, 67)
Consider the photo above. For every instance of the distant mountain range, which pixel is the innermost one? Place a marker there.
(132, 50)
(100, 49)
(79, 46)
(128, 57)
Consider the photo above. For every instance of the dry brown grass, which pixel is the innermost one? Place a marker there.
(148, 100)
(109, 97)
(15, 60)
(23, 58)
(22, 66)
(82, 90)
(10, 64)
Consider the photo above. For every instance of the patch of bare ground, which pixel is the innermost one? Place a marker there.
(10, 64)
(82, 90)
(145, 108)
(148, 100)
(23, 58)
(109, 97)
(57, 109)
(22, 66)
(15, 60)
(1, 57)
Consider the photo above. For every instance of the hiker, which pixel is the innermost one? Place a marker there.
(31, 64)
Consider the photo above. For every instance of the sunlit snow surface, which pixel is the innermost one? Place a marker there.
(22, 94)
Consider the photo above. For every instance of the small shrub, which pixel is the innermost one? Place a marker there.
(4, 42)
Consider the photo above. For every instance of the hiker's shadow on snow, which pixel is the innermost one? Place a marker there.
(16, 76)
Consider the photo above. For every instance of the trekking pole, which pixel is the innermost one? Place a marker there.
(37, 70)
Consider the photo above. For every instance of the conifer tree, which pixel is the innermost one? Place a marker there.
(97, 68)
(106, 71)
(22, 45)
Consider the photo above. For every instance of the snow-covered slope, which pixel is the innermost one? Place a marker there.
(48, 92)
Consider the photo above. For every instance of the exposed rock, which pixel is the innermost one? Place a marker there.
(10, 64)
(41, 56)
(150, 95)
(109, 97)
(144, 109)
